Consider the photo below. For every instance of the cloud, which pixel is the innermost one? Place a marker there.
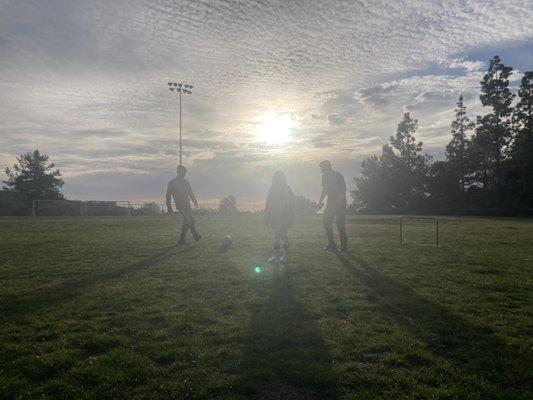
(85, 81)
(335, 120)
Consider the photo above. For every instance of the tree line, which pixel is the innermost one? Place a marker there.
(488, 165)
(34, 177)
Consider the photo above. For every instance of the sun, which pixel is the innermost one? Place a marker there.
(274, 129)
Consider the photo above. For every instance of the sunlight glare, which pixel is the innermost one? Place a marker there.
(275, 129)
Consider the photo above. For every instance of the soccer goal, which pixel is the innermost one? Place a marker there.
(148, 209)
(106, 208)
(71, 208)
(419, 230)
(55, 208)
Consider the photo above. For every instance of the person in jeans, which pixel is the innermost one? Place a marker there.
(334, 187)
(180, 189)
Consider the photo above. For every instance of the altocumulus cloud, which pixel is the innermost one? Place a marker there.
(85, 82)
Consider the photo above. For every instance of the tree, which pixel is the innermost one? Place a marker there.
(228, 204)
(494, 129)
(458, 146)
(378, 188)
(480, 162)
(442, 186)
(34, 178)
(413, 167)
(12, 203)
(405, 142)
(523, 121)
(397, 179)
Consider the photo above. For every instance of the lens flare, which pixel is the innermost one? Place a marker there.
(258, 269)
(275, 129)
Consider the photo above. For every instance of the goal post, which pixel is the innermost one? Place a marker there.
(60, 207)
(419, 225)
(71, 208)
(106, 208)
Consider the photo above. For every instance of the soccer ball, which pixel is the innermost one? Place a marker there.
(226, 242)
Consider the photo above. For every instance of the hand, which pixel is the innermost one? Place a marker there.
(320, 205)
(195, 204)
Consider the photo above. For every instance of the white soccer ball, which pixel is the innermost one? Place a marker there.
(226, 242)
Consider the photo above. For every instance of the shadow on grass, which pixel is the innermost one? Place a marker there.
(51, 296)
(479, 358)
(285, 354)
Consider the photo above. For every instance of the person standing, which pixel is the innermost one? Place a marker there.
(180, 189)
(279, 215)
(334, 187)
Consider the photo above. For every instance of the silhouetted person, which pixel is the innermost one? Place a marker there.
(334, 187)
(279, 215)
(181, 190)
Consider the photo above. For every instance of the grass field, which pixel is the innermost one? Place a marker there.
(110, 308)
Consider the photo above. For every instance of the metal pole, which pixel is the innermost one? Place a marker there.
(437, 236)
(180, 127)
(401, 233)
(530, 82)
(181, 88)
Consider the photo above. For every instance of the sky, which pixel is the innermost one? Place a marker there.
(278, 85)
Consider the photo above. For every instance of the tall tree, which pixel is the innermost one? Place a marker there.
(414, 165)
(404, 141)
(397, 179)
(34, 178)
(494, 129)
(523, 122)
(458, 146)
(228, 204)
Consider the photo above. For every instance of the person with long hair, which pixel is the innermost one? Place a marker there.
(279, 216)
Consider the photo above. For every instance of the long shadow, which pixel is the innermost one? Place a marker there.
(51, 296)
(480, 358)
(285, 354)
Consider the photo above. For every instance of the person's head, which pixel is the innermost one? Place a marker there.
(325, 166)
(279, 179)
(181, 170)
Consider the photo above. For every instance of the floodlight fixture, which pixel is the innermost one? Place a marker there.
(180, 88)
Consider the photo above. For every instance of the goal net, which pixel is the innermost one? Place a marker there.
(139, 209)
(57, 208)
(419, 231)
(123, 208)
(106, 208)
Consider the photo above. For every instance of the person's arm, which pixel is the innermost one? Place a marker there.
(192, 196)
(169, 200)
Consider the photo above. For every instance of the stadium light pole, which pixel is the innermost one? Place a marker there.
(529, 78)
(180, 88)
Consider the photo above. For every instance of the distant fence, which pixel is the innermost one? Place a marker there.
(202, 207)
(121, 207)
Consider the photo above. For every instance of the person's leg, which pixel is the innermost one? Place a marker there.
(328, 221)
(277, 246)
(184, 226)
(192, 225)
(285, 242)
(340, 219)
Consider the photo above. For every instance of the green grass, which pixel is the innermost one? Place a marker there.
(110, 308)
